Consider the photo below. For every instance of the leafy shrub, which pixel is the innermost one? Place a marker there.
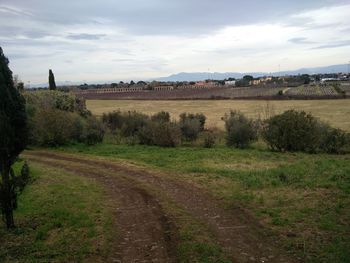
(292, 131)
(133, 122)
(190, 116)
(160, 133)
(334, 140)
(241, 131)
(53, 99)
(298, 131)
(190, 129)
(113, 120)
(129, 123)
(208, 139)
(161, 116)
(52, 127)
(93, 132)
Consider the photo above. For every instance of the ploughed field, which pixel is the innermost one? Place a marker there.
(336, 112)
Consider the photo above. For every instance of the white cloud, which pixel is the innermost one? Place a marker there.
(101, 49)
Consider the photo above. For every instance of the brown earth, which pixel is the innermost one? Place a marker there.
(147, 233)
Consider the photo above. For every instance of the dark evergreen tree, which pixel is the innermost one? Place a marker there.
(52, 83)
(13, 138)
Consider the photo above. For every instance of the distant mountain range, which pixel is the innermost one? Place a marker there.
(195, 76)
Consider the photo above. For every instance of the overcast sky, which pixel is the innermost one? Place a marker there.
(110, 40)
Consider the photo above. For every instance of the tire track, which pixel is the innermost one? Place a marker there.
(144, 232)
(238, 233)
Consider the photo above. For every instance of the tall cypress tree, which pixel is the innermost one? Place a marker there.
(52, 83)
(13, 138)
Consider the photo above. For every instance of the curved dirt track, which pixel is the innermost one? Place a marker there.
(236, 232)
(143, 232)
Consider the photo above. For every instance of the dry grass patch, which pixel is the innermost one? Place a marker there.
(335, 112)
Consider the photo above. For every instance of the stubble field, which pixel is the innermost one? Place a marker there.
(335, 112)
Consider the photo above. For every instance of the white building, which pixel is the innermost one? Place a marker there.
(230, 83)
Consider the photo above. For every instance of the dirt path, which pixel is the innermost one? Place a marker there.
(144, 232)
(237, 232)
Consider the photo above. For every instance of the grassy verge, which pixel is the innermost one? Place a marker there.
(304, 199)
(59, 219)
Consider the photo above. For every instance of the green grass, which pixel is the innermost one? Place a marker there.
(60, 218)
(303, 199)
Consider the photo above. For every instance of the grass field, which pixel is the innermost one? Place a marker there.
(61, 218)
(303, 199)
(336, 112)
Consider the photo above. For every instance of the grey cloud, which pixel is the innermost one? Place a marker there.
(15, 31)
(334, 45)
(85, 36)
(300, 40)
(165, 17)
(8, 10)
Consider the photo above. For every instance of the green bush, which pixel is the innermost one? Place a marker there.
(93, 132)
(334, 140)
(240, 131)
(53, 99)
(190, 129)
(52, 127)
(133, 122)
(160, 133)
(190, 116)
(129, 123)
(161, 116)
(113, 120)
(293, 131)
(298, 131)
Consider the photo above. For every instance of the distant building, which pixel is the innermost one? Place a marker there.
(163, 88)
(201, 83)
(255, 82)
(230, 83)
(329, 79)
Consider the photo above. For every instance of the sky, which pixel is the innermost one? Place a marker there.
(112, 40)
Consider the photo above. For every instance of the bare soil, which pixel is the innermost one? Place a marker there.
(148, 234)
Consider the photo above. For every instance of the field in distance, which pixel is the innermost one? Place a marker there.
(335, 112)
